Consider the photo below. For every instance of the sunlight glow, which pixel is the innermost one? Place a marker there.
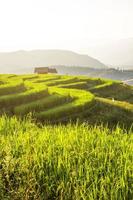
(63, 24)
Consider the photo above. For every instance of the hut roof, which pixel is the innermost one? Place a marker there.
(45, 70)
(42, 69)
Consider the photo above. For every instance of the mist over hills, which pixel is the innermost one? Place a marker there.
(25, 61)
(116, 53)
(66, 62)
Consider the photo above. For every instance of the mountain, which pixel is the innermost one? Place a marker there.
(25, 61)
(116, 53)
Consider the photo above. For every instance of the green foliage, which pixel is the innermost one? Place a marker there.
(64, 162)
(76, 161)
(12, 87)
(77, 85)
(63, 80)
(116, 90)
(82, 101)
(43, 104)
(19, 98)
(58, 98)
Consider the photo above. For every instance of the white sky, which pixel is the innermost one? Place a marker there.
(63, 24)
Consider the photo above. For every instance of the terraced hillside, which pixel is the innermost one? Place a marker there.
(57, 98)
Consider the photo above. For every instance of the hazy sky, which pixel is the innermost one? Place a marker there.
(63, 24)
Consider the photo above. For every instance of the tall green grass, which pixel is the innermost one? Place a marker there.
(62, 80)
(64, 162)
(114, 89)
(42, 104)
(81, 101)
(76, 85)
(29, 95)
(12, 87)
(79, 97)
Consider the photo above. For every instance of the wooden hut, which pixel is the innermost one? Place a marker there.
(45, 70)
(41, 70)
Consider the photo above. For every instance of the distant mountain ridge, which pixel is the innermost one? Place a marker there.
(24, 61)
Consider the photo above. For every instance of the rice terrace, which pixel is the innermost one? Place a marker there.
(65, 137)
(59, 98)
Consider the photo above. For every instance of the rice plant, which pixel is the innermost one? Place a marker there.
(64, 162)
(91, 99)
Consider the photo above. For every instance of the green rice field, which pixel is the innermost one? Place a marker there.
(65, 138)
(60, 98)
(64, 162)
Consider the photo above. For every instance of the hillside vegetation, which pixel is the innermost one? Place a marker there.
(56, 98)
(55, 142)
(64, 162)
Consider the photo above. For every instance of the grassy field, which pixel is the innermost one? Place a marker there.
(64, 162)
(57, 98)
(76, 144)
